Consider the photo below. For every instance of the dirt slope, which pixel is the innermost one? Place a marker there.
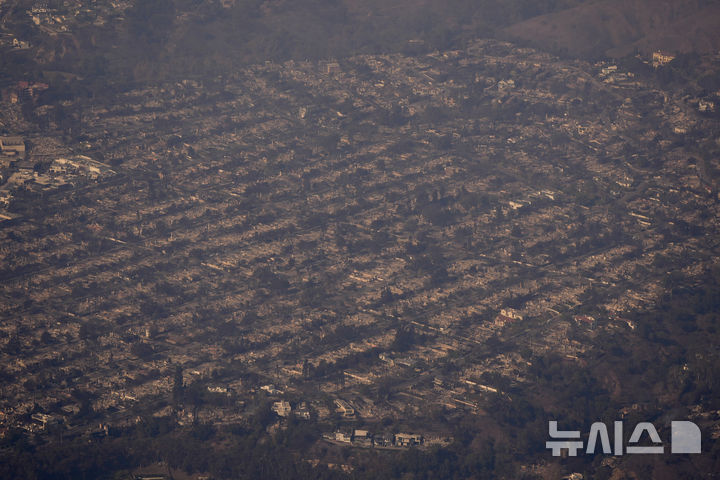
(614, 28)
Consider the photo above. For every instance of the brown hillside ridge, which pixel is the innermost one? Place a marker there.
(615, 28)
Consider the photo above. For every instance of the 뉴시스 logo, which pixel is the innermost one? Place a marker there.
(684, 438)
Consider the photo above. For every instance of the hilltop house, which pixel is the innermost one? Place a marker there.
(282, 408)
(660, 59)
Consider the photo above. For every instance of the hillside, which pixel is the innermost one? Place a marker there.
(149, 41)
(615, 28)
(138, 42)
(356, 240)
